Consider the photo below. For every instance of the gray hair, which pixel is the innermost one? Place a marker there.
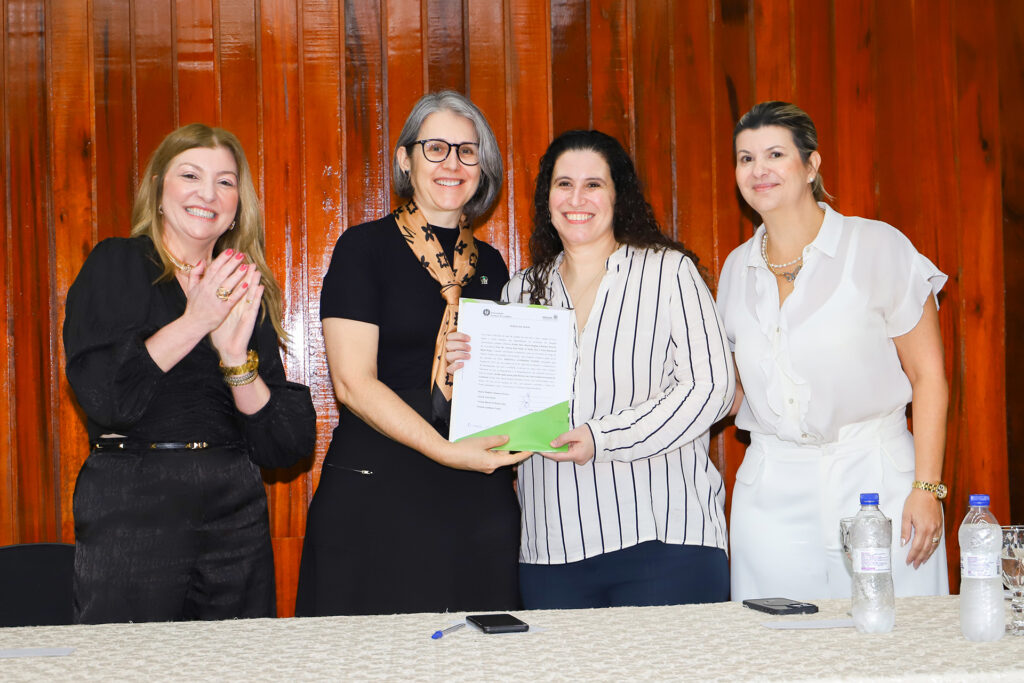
(491, 169)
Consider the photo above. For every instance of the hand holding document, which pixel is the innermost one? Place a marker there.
(518, 378)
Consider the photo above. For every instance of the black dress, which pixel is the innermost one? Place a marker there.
(170, 535)
(390, 530)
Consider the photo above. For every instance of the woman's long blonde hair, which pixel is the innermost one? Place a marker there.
(247, 235)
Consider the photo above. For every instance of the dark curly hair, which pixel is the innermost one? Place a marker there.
(633, 220)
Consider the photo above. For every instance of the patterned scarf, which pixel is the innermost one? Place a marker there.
(424, 244)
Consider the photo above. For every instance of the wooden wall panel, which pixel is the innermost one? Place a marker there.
(114, 149)
(905, 95)
(773, 42)
(982, 466)
(8, 489)
(733, 95)
(240, 84)
(29, 456)
(325, 200)
(610, 48)
(70, 180)
(654, 133)
(486, 74)
(528, 83)
(195, 66)
(855, 178)
(1010, 30)
(154, 73)
(570, 66)
(444, 45)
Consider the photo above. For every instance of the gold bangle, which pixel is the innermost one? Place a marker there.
(241, 380)
(251, 364)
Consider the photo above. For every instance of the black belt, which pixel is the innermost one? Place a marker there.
(109, 444)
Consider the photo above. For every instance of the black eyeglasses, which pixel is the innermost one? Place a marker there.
(437, 151)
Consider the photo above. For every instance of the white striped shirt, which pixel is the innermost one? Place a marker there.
(653, 373)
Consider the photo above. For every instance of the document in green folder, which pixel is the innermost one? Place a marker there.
(518, 379)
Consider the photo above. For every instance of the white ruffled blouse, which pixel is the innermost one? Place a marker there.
(826, 358)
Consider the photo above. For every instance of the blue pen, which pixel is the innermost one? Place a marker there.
(443, 632)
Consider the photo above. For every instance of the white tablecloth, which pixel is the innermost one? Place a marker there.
(701, 642)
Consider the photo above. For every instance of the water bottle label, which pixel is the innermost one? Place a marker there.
(871, 560)
(979, 566)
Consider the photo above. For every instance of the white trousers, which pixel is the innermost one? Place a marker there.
(788, 500)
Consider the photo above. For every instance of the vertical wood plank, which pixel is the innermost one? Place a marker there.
(405, 74)
(896, 113)
(1010, 32)
(366, 179)
(8, 21)
(69, 72)
(283, 163)
(814, 76)
(655, 152)
(529, 94)
(33, 515)
(855, 106)
(444, 47)
(115, 150)
(570, 68)
(772, 42)
(980, 464)
(934, 201)
(733, 96)
(198, 94)
(611, 70)
(240, 94)
(155, 83)
(695, 133)
(486, 75)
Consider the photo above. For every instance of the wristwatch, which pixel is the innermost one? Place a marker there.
(938, 489)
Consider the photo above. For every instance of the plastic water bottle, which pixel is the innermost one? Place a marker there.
(982, 610)
(874, 609)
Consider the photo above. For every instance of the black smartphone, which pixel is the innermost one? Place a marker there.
(781, 606)
(498, 623)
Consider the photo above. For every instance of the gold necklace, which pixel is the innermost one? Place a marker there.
(183, 267)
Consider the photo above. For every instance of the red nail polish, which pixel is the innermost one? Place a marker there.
(245, 267)
(245, 285)
(229, 252)
(239, 255)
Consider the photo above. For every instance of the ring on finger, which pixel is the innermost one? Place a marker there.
(937, 539)
(223, 293)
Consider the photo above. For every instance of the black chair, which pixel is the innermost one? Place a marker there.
(36, 584)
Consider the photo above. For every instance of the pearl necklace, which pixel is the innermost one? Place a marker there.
(776, 267)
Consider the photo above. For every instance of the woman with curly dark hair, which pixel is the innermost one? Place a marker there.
(633, 512)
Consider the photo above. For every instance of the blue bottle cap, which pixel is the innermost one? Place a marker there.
(977, 500)
(869, 499)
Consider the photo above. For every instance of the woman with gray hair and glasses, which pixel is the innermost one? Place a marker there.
(403, 520)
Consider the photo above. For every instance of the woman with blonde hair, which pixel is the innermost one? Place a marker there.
(172, 340)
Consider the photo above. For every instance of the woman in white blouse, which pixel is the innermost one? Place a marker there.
(633, 513)
(833, 321)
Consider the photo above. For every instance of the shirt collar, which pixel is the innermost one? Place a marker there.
(827, 240)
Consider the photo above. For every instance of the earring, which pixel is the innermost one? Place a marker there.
(232, 226)
(160, 209)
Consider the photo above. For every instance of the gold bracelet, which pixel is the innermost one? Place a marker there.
(252, 362)
(938, 489)
(241, 380)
